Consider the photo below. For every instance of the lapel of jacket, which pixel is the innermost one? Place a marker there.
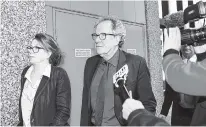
(94, 68)
(91, 72)
(22, 83)
(43, 83)
(122, 59)
(117, 99)
(23, 79)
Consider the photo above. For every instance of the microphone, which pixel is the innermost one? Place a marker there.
(173, 20)
(119, 80)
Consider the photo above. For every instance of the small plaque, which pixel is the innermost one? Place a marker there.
(82, 52)
(132, 51)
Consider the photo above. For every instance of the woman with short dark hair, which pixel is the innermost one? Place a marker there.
(45, 88)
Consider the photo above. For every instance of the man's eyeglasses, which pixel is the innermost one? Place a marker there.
(35, 49)
(102, 36)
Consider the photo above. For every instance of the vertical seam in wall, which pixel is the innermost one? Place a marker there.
(135, 11)
(70, 6)
(55, 25)
(147, 34)
(52, 21)
(108, 7)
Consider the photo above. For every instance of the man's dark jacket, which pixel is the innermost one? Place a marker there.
(52, 100)
(138, 81)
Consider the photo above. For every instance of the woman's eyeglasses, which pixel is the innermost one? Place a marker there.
(34, 49)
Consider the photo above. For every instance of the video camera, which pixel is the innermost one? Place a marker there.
(190, 14)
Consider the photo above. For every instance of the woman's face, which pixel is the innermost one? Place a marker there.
(37, 53)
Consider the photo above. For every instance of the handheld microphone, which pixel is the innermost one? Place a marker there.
(119, 80)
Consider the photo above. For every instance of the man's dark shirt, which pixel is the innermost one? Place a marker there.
(109, 118)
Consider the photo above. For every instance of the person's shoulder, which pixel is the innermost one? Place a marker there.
(93, 59)
(57, 69)
(25, 69)
(130, 56)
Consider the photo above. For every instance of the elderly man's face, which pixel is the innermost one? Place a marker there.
(108, 41)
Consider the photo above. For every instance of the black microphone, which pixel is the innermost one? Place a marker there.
(119, 80)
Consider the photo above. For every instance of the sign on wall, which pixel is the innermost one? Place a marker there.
(82, 52)
(132, 51)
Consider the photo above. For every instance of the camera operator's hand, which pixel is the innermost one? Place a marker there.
(200, 49)
(162, 116)
(129, 106)
(173, 40)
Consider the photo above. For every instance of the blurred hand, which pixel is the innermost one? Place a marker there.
(173, 40)
(187, 51)
(129, 106)
(200, 49)
(162, 117)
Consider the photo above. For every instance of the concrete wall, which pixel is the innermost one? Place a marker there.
(154, 50)
(21, 20)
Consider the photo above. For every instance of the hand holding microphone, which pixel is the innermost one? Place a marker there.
(173, 40)
(119, 80)
(129, 106)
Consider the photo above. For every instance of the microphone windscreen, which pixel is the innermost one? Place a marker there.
(174, 19)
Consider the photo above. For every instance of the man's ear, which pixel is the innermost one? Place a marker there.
(118, 38)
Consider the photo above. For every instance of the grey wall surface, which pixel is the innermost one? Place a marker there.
(154, 50)
(133, 11)
(20, 21)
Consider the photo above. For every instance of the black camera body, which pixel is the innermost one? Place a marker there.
(195, 12)
(189, 36)
(190, 14)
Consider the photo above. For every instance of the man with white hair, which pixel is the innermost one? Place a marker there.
(101, 103)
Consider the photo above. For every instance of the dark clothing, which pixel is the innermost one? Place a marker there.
(52, 100)
(142, 117)
(199, 117)
(108, 113)
(177, 72)
(169, 96)
(191, 76)
(180, 116)
(138, 81)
